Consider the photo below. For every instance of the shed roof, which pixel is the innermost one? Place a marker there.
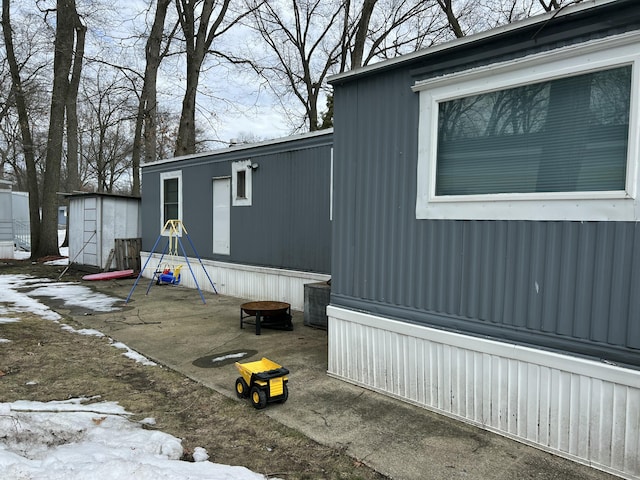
(99, 194)
(538, 20)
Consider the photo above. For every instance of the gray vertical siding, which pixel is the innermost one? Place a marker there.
(573, 286)
(287, 225)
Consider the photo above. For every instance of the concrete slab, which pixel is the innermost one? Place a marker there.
(172, 326)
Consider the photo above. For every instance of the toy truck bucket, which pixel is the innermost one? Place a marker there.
(263, 381)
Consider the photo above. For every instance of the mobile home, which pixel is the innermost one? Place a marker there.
(486, 243)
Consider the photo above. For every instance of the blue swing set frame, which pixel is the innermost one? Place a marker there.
(173, 230)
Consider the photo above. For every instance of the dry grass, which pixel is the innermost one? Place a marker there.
(42, 362)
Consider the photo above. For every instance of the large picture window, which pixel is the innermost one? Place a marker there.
(565, 135)
(543, 139)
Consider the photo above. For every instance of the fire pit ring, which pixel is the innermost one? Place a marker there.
(268, 314)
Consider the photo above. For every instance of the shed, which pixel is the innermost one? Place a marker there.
(486, 235)
(104, 231)
(259, 214)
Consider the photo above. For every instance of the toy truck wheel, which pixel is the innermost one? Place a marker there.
(285, 393)
(258, 398)
(242, 389)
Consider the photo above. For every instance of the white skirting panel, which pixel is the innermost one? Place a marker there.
(243, 281)
(581, 409)
(6, 249)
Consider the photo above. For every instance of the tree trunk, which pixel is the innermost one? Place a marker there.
(71, 108)
(447, 8)
(136, 152)
(64, 44)
(553, 5)
(25, 128)
(186, 141)
(198, 40)
(147, 109)
(362, 33)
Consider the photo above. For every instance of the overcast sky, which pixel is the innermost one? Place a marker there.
(232, 102)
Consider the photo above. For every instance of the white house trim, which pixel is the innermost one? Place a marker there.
(166, 176)
(580, 206)
(581, 409)
(243, 281)
(243, 166)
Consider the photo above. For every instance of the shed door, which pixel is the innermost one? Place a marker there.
(90, 232)
(221, 215)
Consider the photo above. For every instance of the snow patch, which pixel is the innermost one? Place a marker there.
(83, 331)
(72, 440)
(134, 355)
(200, 455)
(227, 357)
(9, 320)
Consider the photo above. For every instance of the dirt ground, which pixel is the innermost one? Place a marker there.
(44, 363)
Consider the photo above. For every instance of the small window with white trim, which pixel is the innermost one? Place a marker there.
(241, 178)
(170, 196)
(542, 138)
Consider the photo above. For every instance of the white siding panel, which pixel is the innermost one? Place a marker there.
(6, 249)
(581, 409)
(242, 281)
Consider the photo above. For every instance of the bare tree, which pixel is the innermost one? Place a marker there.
(71, 107)
(11, 166)
(5, 90)
(452, 19)
(146, 118)
(65, 44)
(552, 5)
(71, 110)
(106, 139)
(201, 21)
(464, 17)
(393, 28)
(306, 45)
(361, 32)
(308, 40)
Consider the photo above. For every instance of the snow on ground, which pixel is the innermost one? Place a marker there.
(72, 439)
(20, 292)
(16, 301)
(21, 255)
(60, 261)
(64, 252)
(133, 355)
(75, 440)
(229, 356)
(75, 295)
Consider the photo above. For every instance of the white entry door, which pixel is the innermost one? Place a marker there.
(221, 215)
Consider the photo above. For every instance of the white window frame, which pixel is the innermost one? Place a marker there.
(167, 176)
(569, 61)
(245, 166)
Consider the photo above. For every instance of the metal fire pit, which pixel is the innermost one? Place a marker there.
(268, 314)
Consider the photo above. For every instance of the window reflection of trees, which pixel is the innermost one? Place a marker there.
(523, 110)
(506, 112)
(611, 96)
(568, 134)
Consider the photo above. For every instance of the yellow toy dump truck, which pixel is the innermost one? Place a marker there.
(263, 381)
